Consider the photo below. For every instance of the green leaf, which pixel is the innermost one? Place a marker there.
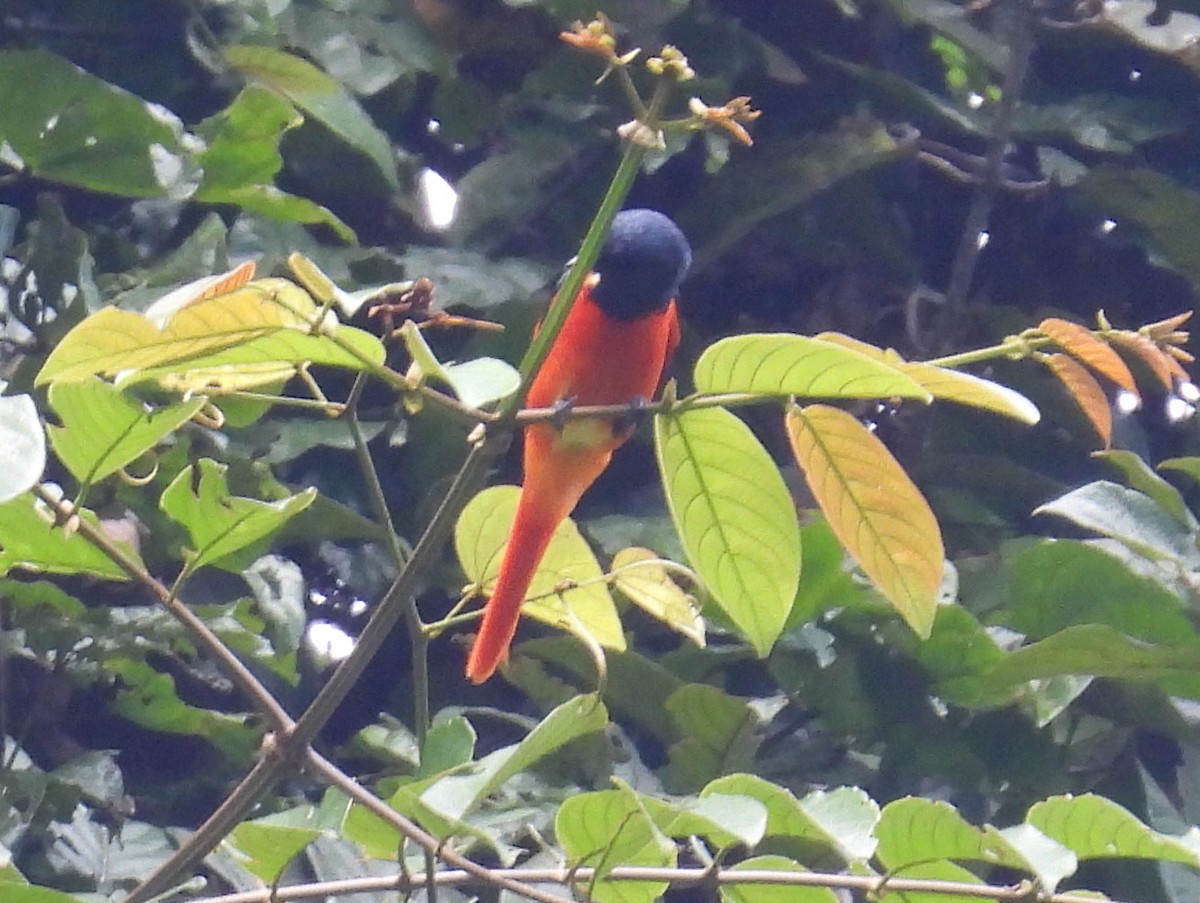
(1056, 584)
(717, 735)
(242, 160)
(457, 794)
(610, 828)
(220, 524)
(103, 429)
(475, 383)
(1138, 475)
(30, 540)
(24, 446)
(62, 124)
(783, 364)
(1130, 517)
(643, 578)
(722, 819)
(842, 819)
(320, 97)
(912, 830)
(449, 744)
(734, 515)
(1097, 828)
(772, 893)
(586, 605)
(265, 848)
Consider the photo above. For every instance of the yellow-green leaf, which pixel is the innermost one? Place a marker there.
(113, 341)
(642, 577)
(949, 385)
(568, 591)
(734, 515)
(784, 364)
(103, 429)
(873, 506)
(754, 892)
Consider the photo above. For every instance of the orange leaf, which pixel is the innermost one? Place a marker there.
(1164, 367)
(1079, 342)
(873, 507)
(1088, 393)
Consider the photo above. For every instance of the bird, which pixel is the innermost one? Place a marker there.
(613, 348)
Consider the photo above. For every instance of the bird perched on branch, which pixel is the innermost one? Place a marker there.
(612, 349)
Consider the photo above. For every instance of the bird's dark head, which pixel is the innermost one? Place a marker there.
(641, 264)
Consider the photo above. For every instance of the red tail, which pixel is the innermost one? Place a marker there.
(529, 538)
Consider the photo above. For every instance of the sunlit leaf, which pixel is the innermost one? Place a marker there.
(842, 819)
(1079, 342)
(1097, 828)
(874, 508)
(198, 290)
(266, 848)
(641, 576)
(913, 830)
(735, 517)
(1086, 391)
(784, 364)
(221, 524)
(568, 591)
(474, 383)
(22, 446)
(320, 97)
(949, 385)
(103, 429)
(609, 828)
(30, 541)
(112, 341)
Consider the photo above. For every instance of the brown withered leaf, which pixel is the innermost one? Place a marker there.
(1086, 391)
(1079, 342)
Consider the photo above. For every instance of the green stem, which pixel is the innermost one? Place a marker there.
(1013, 348)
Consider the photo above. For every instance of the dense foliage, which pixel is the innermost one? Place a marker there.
(899, 585)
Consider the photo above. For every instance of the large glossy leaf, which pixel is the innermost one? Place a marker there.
(320, 97)
(31, 541)
(60, 123)
(874, 508)
(221, 524)
(103, 429)
(784, 364)
(735, 517)
(22, 446)
(568, 591)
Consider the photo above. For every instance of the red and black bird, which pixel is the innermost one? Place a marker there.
(612, 350)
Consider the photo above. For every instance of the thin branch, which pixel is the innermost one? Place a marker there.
(983, 199)
(205, 638)
(674, 877)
